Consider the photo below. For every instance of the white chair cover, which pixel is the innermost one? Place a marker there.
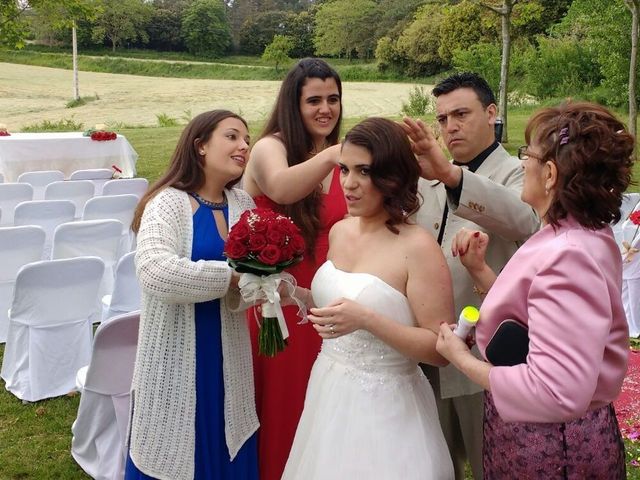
(630, 202)
(137, 186)
(99, 238)
(47, 214)
(50, 330)
(98, 176)
(126, 290)
(11, 194)
(99, 431)
(18, 246)
(118, 207)
(39, 179)
(631, 279)
(78, 191)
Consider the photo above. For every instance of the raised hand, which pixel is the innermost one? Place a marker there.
(432, 160)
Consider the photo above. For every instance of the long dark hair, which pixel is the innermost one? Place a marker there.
(186, 170)
(286, 122)
(394, 169)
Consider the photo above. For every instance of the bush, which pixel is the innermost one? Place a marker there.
(63, 125)
(165, 120)
(561, 68)
(420, 103)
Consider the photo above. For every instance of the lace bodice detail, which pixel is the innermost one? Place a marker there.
(368, 359)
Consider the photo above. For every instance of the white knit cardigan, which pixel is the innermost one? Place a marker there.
(163, 392)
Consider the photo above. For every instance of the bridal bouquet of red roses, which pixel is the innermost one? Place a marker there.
(260, 246)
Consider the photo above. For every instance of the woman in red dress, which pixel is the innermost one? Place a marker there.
(293, 169)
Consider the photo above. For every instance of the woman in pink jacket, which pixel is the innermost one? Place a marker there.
(548, 407)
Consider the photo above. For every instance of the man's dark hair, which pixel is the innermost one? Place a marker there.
(466, 80)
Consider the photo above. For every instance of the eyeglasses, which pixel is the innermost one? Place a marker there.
(523, 153)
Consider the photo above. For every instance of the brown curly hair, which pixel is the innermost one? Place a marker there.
(394, 169)
(593, 154)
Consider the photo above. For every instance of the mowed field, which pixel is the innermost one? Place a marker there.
(31, 95)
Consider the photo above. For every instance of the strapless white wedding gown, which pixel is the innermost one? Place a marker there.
(369, 412)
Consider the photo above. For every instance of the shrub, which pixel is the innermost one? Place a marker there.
(420, 103)
(165, 120)
(561, 67)
(62, 125)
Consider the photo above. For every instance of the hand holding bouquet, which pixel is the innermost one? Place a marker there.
(260, 246)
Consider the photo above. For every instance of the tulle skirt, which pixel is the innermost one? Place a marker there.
(362, 425)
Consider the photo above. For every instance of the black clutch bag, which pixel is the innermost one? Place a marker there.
(509, 345)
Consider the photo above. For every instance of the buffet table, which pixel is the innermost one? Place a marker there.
(65, 151)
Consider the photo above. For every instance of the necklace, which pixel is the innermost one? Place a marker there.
(216, 205)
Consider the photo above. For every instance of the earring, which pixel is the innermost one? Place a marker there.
(201, 152)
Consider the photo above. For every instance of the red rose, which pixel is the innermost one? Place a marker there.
(297, 244)
(113, 136)
(257, 241)
(270, 255)
(286, 254)
(240, 231)
(235, 250)
(259, 226)
(635, 217)
(276, 235)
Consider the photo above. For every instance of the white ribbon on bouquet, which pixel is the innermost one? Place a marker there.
(255, 288)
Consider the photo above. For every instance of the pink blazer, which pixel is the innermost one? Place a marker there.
(565, 285)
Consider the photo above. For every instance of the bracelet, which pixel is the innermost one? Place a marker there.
(479, 291)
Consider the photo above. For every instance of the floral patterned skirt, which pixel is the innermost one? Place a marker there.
(590, 447)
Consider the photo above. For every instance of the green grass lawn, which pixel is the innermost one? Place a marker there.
(35, 439)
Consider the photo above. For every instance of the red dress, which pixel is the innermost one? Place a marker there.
(281, 381)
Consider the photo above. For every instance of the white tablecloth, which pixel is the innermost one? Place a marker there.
(65, 151)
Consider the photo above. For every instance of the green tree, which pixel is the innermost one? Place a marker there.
(602, 28)
(205, 28)
(163, 30)
(14, 27)
(120, 21)
(277, 52)
(419, 43)
(634, 8)
(463, 25)
(258, 31)
(346, 26)
(300, 28)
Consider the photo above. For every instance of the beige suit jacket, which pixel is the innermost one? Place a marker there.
(490, 202)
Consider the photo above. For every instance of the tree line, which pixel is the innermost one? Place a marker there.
(556, 48)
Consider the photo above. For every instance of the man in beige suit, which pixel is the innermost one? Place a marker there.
(479, 190)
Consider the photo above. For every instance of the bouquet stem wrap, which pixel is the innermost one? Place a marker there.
(273, 332)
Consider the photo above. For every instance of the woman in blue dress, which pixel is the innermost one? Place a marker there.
(193, 407)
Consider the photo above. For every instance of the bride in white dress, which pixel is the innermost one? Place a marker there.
(369, 411)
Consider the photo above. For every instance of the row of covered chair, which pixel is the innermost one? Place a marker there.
(23, 245)
(49, 214)
(49, 330)
(77, 191)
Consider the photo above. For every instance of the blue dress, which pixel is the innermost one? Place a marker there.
(211, 453)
